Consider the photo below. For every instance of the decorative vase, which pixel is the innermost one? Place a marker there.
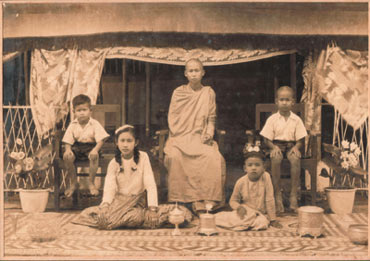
(341, 199)
(34, 200)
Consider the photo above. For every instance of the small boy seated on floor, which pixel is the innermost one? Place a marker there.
(252, 200)
(283, 133)
(83, 139)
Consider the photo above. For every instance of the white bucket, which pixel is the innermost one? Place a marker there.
(341, 200)
(34, 200)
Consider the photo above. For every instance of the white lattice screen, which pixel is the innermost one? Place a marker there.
(19, 124)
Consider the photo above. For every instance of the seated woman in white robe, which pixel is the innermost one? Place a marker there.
(252, 200)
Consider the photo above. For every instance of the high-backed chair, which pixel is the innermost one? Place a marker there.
(109, 116)
(310, 156)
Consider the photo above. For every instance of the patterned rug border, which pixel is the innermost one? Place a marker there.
(150, 255)
(76, 240)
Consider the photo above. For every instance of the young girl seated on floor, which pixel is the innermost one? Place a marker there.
(130, 192)
(252, 200)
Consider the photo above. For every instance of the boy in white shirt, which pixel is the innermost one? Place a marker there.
(283, 133)
(83, 139)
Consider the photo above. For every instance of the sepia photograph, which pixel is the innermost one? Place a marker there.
(184, 130)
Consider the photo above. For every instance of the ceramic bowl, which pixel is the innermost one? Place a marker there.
(358, 234)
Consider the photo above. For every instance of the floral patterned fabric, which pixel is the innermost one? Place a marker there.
(87, 73)
(310, 96)
(48, 86)
(342, 78)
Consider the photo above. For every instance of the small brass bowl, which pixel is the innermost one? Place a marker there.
(358, 234)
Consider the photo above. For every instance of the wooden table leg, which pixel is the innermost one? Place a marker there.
(56, 185)
(313, 172)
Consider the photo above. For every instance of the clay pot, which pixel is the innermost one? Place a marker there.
(33, 200)
(358, 234)
(341, 199)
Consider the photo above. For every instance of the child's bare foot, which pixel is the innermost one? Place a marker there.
(93, 190)
(69, 192)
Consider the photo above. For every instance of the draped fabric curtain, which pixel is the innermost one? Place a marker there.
(87, 73)
(340, 77)
(310, 96)
(50, 76)
(342, 80)
(58, 76)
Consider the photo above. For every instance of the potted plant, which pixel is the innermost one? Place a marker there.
(344, 161)
(32, 169)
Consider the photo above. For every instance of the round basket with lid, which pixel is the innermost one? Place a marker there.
(310, 221)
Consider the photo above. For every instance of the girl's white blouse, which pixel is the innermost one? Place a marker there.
(133, 180)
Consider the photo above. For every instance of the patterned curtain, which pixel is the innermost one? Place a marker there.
(342, 78)
(311, 97)
(58, 76)
(87, 73)
(50, 75)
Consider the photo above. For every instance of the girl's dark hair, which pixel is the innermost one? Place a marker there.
(118, 154)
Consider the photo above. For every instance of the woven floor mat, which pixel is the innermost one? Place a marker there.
(81, 240)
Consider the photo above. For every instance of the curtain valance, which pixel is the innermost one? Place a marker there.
(209, 57)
